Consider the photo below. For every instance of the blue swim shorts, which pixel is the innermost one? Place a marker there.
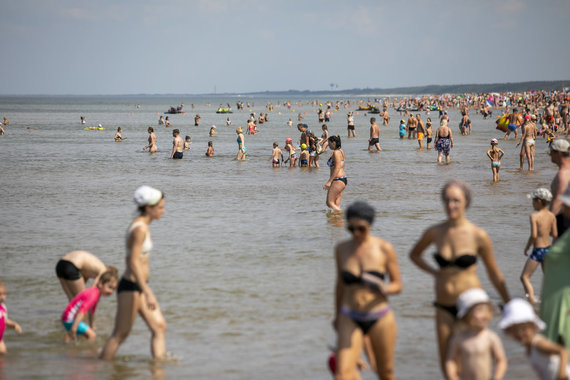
(81, 329)
(512, 127)
(539, 253)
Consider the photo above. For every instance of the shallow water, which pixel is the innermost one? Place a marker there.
(242, 264)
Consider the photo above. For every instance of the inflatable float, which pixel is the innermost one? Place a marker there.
(224, 110)
(94, 129)
(503, 122)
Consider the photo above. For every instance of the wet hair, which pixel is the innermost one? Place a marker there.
(150, 129)
(464, 187)
(142, 209)
(336, 140)
(210, 143)
(176, 131)
(372, 119)
(109, 275)
(360, 210)
(119, 129)
(325, 127)
(187, 137)
(275, 144)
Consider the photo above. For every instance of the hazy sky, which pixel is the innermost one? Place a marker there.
(196, 46)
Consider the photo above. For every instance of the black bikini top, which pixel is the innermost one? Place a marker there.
(348, 278)
(462, 262)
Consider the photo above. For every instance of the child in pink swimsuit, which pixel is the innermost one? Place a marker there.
(86, 301)
(4, 320)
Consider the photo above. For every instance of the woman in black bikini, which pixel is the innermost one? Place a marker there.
(134, 296)
(338, 180)
(361, 303)
(459, 244)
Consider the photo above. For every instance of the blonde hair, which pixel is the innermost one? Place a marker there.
(109, 275)
(239, 130)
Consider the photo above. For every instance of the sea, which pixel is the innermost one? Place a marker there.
(242, 264)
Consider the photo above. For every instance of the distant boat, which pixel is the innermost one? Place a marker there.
(173, 111)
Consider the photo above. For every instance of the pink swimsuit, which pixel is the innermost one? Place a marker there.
(3, 316)
(83, 302)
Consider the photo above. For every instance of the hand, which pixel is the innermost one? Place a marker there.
(71, 336)
(525, 252)
(150, 300)
(17, 328)
(327, 186)
(361, 365)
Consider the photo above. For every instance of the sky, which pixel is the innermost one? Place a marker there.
(109, 47)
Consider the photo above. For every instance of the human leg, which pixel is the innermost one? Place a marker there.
(444, 322)
(157, 326)
(383, 338)
(127, 305)
(334, 195)
(529, 268)
(349, 347)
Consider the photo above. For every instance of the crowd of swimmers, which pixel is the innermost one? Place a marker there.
(367, 266)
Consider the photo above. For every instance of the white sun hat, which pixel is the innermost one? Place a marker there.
(146, 195)
(470, 298)
(517, 311)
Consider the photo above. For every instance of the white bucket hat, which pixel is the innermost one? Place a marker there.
(541, 193)
(146, 195)
(470, 298)
(518, 310)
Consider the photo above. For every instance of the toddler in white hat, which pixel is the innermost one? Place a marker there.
(473, 348)
(548, 359)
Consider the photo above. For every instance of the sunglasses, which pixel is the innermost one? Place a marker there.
(360, 229)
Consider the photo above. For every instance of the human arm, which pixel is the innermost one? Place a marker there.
(550, 348)
(489, 154)
(174, 145)
(335, 171)
(498, 353)
(485, 250)
(501, 154)
(91, 317)
(451, 360)
(558, 187)
(134, 244)
(338, 287)
(13, 324)
(533, 235)
(450, 137)
(416, 253)
(393, 269)
(554, 228)
(72, 333)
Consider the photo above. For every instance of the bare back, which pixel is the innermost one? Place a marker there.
(88, 264)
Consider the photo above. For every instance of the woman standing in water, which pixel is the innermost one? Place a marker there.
(151, 141)
(133, 293)
(361, 303)
(241, 145)
(443, 142)
(338, 180)
(459, 244)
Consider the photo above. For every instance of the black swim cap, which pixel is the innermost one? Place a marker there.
(360, 210)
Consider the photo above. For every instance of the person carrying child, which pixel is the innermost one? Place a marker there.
(86, 302)
(549, 360)
(542, 227)
(473, 348)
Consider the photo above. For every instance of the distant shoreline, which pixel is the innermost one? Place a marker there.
(557, 85)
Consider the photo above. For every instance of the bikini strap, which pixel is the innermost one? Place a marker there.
(136, 224)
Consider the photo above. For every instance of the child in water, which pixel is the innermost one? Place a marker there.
(212, 131)
(276, 154)
(472, 349)
(548, 359)
(304, 156)
(542, 227)
(290, 122)
(495, 154)
(4, 320)
(210, 151)
(228, 122)
(187, 143)
(429, 132)
(86, 301)
(402, 128)
(292, 155)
